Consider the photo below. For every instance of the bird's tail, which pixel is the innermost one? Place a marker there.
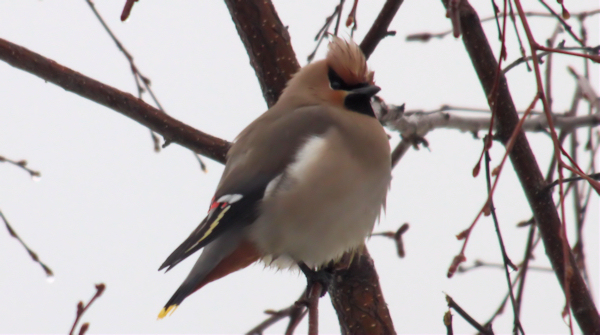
(225, 255)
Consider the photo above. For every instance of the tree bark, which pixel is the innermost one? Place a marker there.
(268, 45)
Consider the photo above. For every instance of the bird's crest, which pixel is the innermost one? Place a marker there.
(348, 61)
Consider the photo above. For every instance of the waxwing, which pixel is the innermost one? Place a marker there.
(303, 184)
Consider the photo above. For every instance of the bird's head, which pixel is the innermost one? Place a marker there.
(341, 79)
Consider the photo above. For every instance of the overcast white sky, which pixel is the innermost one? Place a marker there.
(108, 209)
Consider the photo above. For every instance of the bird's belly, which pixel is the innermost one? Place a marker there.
(321, 218)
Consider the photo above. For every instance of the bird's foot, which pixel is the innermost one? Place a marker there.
(323, 277)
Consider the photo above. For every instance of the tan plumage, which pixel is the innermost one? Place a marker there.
(348, 61)
(304, 182)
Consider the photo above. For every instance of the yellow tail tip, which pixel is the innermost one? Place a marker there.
(167, 311)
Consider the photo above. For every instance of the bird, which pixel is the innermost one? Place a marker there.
(303, 183)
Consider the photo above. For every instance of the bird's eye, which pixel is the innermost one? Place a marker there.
(335, 81)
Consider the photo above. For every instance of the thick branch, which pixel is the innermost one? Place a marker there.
(527, 169)
(356, 291)
(267, 42)
(379, 29)
(171, 129)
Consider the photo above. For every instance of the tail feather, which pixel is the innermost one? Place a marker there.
(227, 254)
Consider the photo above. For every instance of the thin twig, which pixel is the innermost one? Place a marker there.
(452, 304)
(479, 264)
(540, 55)
(81, 308)
(324, 29)
(507, 262)
(137, 75)
(31, 253)
(525, 268)
(21, 164)
(397, 237)
(294, 312)
(563, 22)
(514, 22)
(595, 176)
(339, 17)
(127, 9)
(425, 37)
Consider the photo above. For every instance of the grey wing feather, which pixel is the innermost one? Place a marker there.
(262, 152)
(268, 145)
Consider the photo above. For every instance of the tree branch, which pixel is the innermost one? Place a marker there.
(357, 298)
(379, 29)
(171, 129)
(526, 168)
(268, 45)
(421, 123)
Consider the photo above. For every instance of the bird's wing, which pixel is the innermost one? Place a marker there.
(261, 153)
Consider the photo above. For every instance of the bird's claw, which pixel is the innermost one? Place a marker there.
(323, 276)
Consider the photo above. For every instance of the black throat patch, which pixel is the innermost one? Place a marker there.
(355, 102)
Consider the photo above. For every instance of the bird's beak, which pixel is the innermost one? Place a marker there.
(367, 91)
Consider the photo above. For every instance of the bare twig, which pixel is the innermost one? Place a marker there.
(563, 22)
(127, 9)
(483, 330)
(514, 22)
(138, 77)
(524, 268)
(339, 17)
(21, 164)
(425, 37)
(541, 55)
(337, 12)
(595, 176)
(351, 19)
(479, 264)
(507, 262)
(295, 313)
(81, 309)
(31, 253)
(397, 237)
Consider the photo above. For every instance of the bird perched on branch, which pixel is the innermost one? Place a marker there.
(303, 183)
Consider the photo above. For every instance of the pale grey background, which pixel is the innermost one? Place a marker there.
(108, 209)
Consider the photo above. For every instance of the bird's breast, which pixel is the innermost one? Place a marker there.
(325, 203)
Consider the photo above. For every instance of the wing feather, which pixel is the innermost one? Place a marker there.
(259, 155)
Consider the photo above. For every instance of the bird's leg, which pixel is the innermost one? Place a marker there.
(323, 277)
